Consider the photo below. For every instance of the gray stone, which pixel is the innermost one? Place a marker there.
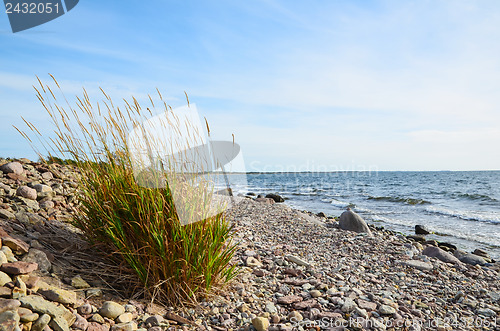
(12, 167)
(351, 221)
(472, 259)
(47, 175)
(111, 310)
(420, 265)
(41, 323)
(39, 257)
(481, 253)
(439, 254)
(40, 188)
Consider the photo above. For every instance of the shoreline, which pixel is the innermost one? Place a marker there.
(407, 231)
(371, 271)
(465, 239)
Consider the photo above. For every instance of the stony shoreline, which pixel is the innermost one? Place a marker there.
(298, 272)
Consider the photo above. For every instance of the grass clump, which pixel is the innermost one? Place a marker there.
(173, 262)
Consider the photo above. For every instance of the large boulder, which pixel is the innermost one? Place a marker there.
(351, 221)
(440, 254)
(275, 197)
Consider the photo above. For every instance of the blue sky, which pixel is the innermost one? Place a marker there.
(316, 85)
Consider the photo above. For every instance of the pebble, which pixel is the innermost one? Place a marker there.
(386, 310)
(111, 310)
(260, 323)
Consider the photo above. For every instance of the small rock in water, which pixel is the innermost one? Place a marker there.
(481, 253)
(421, 229)
(418, 238)
(450, 247)
(275, 197)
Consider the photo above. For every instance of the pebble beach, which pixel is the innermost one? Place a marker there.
(298, 271)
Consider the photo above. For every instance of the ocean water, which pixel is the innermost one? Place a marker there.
(462, 207)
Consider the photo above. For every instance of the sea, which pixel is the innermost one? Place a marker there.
(460, 207)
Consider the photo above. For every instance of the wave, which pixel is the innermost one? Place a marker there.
(410, 201)
(476, 196)
(466, 216)
(339, 203)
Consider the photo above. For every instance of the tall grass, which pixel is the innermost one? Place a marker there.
(174, 262)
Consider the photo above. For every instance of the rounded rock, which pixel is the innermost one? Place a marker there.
(26, 192)
(111, 310)
(12, 167)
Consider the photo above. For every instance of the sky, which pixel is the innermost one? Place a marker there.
(303, 85)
